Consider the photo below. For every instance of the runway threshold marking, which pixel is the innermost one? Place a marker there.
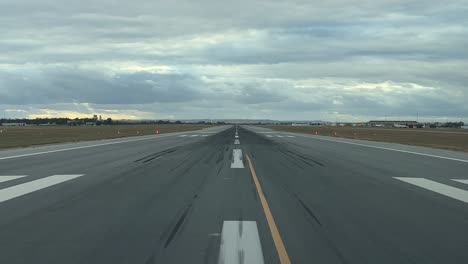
(279, 245)
(10, 178)
(440, 188)
(28, 187)
(385, 148)
(462, 181)
(240, 243)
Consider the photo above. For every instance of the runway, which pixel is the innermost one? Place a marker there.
(233, 194)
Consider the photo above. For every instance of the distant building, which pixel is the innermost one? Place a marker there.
(73, 123)
(299, 124)
(317, 123)
(13, 124)
(394, 123)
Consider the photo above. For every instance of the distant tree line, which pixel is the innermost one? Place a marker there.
(57, 121)
(84, 121)
(36, 121)
(167, 122)
(450, 124)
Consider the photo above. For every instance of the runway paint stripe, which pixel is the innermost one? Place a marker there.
(446, 190)
(10, 178)
(280, 248)
(269, 136)
(182, 135)
(28, 187)
(240, 243)
(280, 136)
(236, 142)
(81, 147)
(204, 135)
(397, 150)
(237, 159)
(236, 136)
(462, 181)
(194, 135)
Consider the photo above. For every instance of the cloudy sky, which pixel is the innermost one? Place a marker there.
(327, 59)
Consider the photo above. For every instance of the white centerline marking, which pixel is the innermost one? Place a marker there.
(28, 187)
(10, 178)
(182, 135)
(194, 135)
(446, 190)
(240, 243)
(397, 150)
(462, 181)
(236, 142)
(279, 136)
(237, 159)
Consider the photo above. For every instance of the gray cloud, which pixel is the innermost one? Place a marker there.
(61, 85)
(271, 59)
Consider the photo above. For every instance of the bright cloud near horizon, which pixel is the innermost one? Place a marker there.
(303, 60)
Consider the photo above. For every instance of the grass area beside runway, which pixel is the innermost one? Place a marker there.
(453, 139)
(11, 137)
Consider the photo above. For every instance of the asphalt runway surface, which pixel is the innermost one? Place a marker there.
(221, 196)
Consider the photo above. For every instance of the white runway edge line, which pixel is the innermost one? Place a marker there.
(81, 147)
(446, 190)
(240, 243)
(28, 187)
(10, 178)
(397, 150)
(237, 159)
